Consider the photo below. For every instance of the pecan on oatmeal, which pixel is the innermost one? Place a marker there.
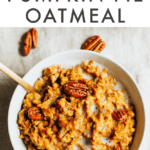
(119, 115)
(28, 44)
(94, 43)
(76, 89)
(34, 113)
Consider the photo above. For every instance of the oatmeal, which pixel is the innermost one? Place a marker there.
(73, 112)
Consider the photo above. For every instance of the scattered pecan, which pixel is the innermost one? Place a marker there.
(94, 43)
(119, 115)
(28, 44)
(34, 37)
(34, 113)
(76, 89)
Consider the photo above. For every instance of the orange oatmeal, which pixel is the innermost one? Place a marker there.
(72, 112)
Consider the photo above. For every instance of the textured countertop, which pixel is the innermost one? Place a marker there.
(130, 47)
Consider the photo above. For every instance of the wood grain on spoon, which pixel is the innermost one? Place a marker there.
(15, 77)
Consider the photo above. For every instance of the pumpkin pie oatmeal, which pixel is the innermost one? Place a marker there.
(73, 112)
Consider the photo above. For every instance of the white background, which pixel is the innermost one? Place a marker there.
(135, 14)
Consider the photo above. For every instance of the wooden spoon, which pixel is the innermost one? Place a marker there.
(15, 77)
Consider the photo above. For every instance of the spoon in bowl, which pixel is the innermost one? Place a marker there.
(15, 77)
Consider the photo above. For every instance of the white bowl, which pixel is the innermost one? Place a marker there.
(68, 59)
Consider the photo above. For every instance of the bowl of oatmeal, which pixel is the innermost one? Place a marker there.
(84, 101)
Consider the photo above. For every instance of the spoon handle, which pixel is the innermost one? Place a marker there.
(15, 77)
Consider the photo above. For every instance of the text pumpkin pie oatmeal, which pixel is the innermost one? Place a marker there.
(74, 112)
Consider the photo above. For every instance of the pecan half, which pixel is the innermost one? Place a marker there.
(76, 89)
(28, 44)
(34, 113)
(94, 43)
(34, 37)
(119, 115)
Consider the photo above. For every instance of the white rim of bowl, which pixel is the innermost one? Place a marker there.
(90, 52)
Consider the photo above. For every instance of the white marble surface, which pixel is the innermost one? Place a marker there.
(128, 46)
